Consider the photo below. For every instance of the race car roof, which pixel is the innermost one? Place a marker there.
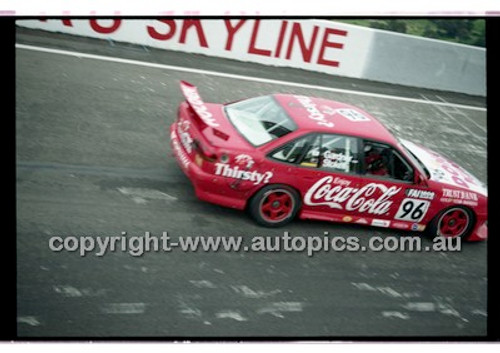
(325, 115)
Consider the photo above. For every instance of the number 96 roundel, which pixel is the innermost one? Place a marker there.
(412, 210)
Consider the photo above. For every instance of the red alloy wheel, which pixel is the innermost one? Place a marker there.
(276, 205)
(453, 223)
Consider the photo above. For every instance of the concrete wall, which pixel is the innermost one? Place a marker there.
(323, 46)
(428, 63)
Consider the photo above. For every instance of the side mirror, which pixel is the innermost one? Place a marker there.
(420, 180)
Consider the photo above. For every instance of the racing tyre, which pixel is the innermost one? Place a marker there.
(452, 222)
(274, 205)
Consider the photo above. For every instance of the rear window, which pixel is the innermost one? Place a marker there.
(260, 119)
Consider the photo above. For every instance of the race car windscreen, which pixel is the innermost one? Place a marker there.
(416, 161)
(260, 119)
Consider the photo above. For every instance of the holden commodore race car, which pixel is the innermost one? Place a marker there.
(280, 156)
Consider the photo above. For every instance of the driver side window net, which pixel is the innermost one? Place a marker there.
(382, 160)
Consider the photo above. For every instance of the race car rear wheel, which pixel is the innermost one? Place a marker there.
(453, 222)
(274, 205)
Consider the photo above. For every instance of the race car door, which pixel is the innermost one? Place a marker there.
(327, 172)
(385, 165)
(331, 171)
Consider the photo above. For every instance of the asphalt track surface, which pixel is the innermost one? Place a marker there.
(93, 158)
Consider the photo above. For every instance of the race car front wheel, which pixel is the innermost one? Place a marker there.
(452, 222)
(274, 205)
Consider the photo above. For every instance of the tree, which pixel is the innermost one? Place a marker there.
(389, 25)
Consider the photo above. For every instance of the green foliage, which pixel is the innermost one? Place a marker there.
(392, 25)
(465, 31)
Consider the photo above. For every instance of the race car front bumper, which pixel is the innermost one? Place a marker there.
(480, 231)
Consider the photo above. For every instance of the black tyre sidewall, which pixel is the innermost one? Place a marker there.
(434, 231)
(254, 205)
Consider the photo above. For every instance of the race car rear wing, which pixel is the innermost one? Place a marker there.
(203, 116)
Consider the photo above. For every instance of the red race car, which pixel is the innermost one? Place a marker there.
(281, 155)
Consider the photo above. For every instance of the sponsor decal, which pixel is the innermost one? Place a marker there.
(420, 194)
(313, 111)
(352, 115)
(319, 116)
(273, 41)
(438, 174)
(412, 210)
(381, 223)
(325, 109)
(455, 172)
(244, 160)
(336, 160)
(347, 218)
(361, 221)
(451, 172)
(336, 218)
(400, 225)
(179, 152)
(184, 125)
(195, 101)
(341, 181)
(236, 173)
(418, 227)
(445, 171)
(184, 136)
(460, 194)
(323, 192)
(459, 197)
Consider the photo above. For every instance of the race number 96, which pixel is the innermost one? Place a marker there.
(412, 210)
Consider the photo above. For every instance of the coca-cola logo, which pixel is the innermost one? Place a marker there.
(364, 199)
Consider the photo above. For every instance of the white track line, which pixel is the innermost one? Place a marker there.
(240, 77)
(458, 112)
(451, 117)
